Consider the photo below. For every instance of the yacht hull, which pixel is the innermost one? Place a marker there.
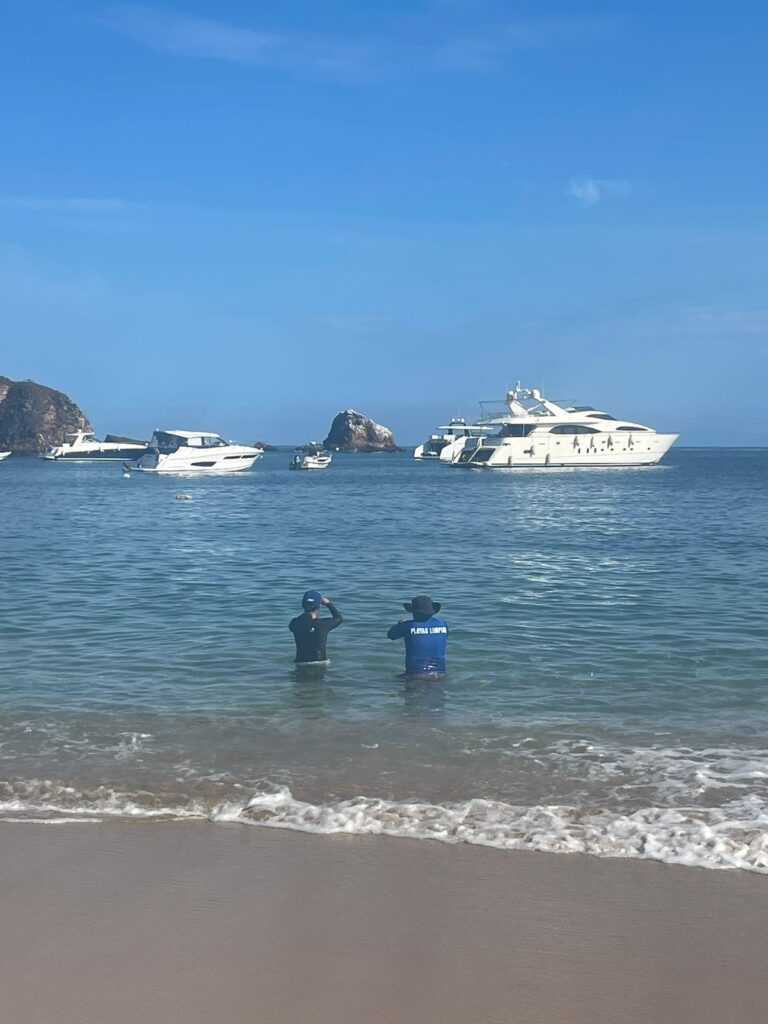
(229, 464)
(109, 455)
(453, 449)
(592, 452)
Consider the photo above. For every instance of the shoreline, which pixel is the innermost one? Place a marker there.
(190, 922)
(703, 837)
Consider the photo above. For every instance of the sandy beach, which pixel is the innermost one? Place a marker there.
(190, 923)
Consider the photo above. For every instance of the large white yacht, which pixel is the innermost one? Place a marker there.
(193, 451)
(457, 429)
(82, 446)
(539, 432)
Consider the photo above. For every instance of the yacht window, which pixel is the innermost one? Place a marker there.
(601, 416)
(632, 428)
(169, 442)
(573, 428)
(517, 429)
(212, 442)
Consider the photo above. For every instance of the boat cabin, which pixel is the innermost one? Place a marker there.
(79, 437)
(166, 441)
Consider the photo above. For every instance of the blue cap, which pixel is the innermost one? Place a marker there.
(311, 600)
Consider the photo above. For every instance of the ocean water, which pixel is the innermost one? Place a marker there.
(608, 658)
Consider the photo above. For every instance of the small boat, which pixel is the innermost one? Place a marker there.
(83, 446)
(4, 455)
(193, 451)
(311, 460)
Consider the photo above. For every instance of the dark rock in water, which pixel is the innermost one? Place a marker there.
(33, 416)
(266, 447)
(353, 432)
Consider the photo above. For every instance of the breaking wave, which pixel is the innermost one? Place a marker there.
(732, 835)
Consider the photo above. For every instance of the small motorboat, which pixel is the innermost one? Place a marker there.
(4, 455)
(311, 460)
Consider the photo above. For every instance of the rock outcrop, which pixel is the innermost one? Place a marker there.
(353, 432)
(33, 416)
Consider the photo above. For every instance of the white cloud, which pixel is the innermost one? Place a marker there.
(186, 36)
(491, 47)
(420, 44)
(590, 191)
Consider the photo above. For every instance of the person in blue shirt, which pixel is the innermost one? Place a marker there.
(426, 638)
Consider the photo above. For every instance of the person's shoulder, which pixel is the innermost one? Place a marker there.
(401, 627)
(295, 621)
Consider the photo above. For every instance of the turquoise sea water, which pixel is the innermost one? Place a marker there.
(608, 659)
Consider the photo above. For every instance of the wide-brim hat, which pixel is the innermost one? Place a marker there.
(422, 605)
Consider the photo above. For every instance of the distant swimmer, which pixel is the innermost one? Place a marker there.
(311, 632)
(426, 638)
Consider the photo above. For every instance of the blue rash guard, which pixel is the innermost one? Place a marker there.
(425, 644)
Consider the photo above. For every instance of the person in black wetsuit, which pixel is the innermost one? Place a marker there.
(310, 631)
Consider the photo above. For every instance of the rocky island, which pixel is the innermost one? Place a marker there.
(33, 416)
(353, 432)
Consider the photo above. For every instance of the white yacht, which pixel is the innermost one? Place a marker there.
(4, 455)
(457, 429)
(193, 451)
(539, 432)
(82, 446)
(311, 460)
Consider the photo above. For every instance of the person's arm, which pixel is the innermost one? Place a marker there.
(398, 631)
(336, 618)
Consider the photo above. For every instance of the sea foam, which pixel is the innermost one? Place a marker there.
(733, 835)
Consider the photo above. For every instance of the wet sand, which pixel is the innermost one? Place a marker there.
(196, 923)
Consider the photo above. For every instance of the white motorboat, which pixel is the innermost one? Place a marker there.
(4, 455)
(539, 432)
(82, 446)
(193, 451)
(311, 460)
(457, 429)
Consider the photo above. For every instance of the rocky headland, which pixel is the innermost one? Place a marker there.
(33, 416)
(353, 432)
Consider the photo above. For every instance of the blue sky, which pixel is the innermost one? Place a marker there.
(245, 216)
